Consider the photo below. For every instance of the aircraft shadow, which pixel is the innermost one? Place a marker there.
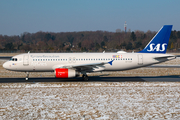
(173, 78)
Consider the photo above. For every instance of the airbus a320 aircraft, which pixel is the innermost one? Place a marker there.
(67, 65)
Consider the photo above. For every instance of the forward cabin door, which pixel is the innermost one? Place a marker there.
(26, 60)
(140, 59)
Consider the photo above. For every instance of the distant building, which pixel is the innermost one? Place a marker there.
(118, 30)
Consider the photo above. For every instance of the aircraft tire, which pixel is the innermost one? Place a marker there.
(85, 78)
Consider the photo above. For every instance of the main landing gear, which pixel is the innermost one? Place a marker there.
(27, 76)
(85, 77)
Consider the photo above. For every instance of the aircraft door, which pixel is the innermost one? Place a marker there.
(26, 60)
(140, 59)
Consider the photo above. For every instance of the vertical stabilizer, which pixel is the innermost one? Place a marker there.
(159, 42)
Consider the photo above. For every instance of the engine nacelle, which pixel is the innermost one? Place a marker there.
(65, 73)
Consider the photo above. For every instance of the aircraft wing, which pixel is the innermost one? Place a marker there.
(87, 67)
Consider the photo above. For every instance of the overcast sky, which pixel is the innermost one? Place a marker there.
(18, 16)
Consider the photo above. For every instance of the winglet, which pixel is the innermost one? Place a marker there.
(110, 62)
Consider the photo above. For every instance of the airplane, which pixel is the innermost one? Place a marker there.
(68, 65)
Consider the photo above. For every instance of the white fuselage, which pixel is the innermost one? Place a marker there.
(48, 62)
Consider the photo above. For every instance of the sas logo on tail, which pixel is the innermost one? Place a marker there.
(157, 47)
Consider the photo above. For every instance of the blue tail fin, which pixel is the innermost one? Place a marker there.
(159, 42)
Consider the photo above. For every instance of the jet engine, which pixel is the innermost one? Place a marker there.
(65, 73)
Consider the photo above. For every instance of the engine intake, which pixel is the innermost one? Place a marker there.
(65, 73)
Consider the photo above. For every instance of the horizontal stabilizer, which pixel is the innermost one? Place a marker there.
(165, 57)
(164, 66)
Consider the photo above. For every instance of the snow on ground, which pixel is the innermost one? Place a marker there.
(93, 100)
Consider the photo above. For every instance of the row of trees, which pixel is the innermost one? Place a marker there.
(89, 41)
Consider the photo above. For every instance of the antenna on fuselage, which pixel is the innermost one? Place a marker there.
(28, 52)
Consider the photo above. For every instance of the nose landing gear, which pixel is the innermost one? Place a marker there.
(27, 76)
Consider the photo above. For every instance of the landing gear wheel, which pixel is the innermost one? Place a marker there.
(85, 77)
(27, 76)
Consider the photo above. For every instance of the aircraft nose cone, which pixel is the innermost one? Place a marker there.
(5, 65)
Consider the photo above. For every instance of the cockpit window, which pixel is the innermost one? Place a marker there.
(13, 59)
